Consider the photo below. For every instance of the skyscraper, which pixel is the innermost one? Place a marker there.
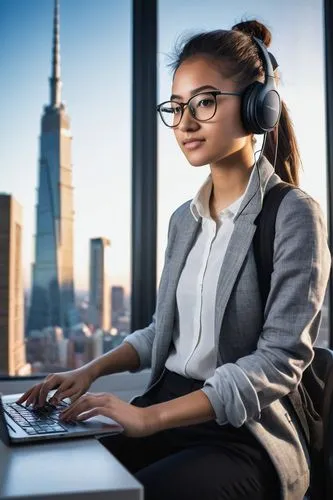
(99, 289)
(117, 304)
(12, 347)
(52, 272)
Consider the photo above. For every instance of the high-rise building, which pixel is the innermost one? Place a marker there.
(99, 289)
(80, 346)
(94, 346)
(12, 346)
(47, 348)
(117, 304)
(52, 273)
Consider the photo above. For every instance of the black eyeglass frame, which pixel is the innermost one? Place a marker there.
(214, 93)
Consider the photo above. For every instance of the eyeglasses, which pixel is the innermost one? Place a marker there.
(202, 107)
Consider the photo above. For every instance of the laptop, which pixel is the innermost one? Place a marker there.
(21, 424)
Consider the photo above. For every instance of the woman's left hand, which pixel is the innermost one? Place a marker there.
(137, 422)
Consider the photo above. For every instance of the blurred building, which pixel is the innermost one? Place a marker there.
(123, 324)
(35, 347)
(117, 304)
(94, 346)
(76, 345)
(99, 289)
(84, 345)
(52, 272)
(111, 340)
(47, 347)
(12, 346)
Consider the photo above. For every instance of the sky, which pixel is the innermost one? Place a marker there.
(95, 45)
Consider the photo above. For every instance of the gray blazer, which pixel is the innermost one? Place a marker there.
(257, 364)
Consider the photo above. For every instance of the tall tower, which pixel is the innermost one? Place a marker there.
(52, 272)
(12, 347)
(117, 304)
(99, 289)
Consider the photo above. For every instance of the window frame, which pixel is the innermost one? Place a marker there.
(144, 164)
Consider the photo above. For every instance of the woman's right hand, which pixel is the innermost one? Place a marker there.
(71, 384)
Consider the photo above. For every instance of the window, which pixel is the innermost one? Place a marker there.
(299, 52)
(65, 156)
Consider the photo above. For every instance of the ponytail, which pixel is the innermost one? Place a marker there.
(288, 157)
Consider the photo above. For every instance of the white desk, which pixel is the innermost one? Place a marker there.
(65, 470)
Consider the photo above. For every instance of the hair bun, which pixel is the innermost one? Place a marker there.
(254, 28)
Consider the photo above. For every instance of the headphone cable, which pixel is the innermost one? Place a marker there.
(276, 144)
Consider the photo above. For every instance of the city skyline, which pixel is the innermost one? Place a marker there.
(99, 127)
(96, 74)
(52, 293)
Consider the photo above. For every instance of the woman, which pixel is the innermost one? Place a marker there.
(211, 422)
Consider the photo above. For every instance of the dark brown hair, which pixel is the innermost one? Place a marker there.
(240, 61)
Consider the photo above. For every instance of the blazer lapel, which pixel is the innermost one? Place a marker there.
(241, 238)
(238, 247)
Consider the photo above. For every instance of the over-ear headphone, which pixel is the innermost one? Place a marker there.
(261, 103)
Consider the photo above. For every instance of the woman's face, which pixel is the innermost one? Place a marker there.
(223, 137)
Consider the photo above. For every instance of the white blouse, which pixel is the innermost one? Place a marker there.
(194, 352)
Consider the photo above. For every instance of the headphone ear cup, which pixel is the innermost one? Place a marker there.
(248, 108)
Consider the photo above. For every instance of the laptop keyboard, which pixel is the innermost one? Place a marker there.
(44, 420)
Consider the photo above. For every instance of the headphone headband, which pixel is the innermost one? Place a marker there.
(273, 61)
(266, 60)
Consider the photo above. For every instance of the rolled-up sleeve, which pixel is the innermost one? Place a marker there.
(142, 341)
(301, 267)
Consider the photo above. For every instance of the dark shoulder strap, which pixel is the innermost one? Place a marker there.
(263, 241)
(263, 246)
